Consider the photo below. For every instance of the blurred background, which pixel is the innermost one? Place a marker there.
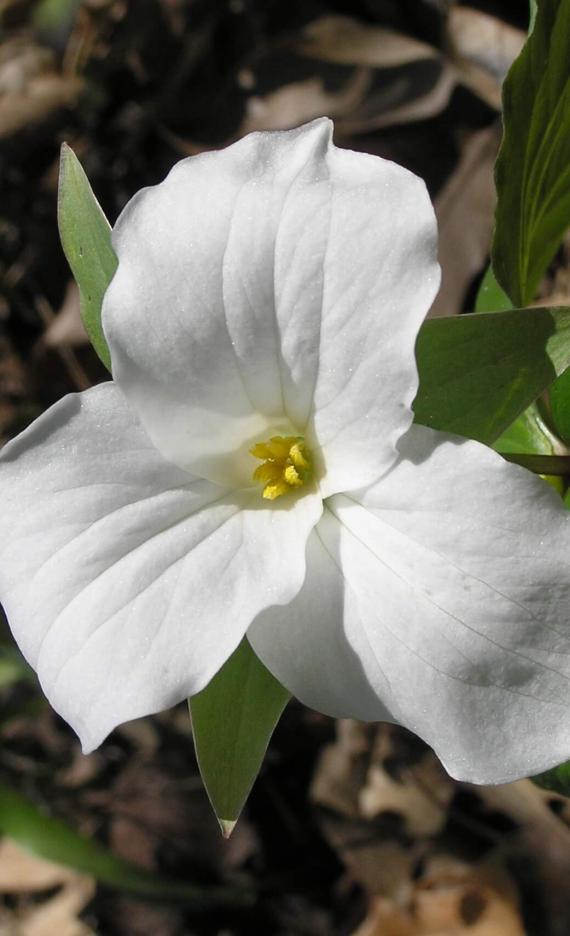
(350, 829)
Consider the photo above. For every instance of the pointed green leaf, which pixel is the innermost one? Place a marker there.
(533, 166)
(232, 720)
(86, 239)
(479, 372)
(490, 297)
(52, 839)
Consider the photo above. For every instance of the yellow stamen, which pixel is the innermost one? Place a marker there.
(269, 471)
(298, 456)
(287, 465)
(275, 489)
(292, 476)
(260, 450)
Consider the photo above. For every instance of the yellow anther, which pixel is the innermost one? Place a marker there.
(275, 489)
(260, 450)
(292, 477)
(298, 456)
(279, 446)
(286, 465)
(269, 471)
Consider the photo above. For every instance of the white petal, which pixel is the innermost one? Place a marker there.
(126, 581)
(261, 278)
(455, 598)
(380, 278)
(315, 644)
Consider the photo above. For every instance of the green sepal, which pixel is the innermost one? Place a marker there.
(233, 719)
(86, 240)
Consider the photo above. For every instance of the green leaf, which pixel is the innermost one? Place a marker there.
(530, 438)
(490, 297)
(559, 395)
(479, 372)
(533, 167)
(50, 838)
(232, 720)
(557, 779)
(555, 465)
(86, 239)
(532, 15)
(528, 433)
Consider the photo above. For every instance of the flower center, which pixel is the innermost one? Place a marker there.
(287, 465)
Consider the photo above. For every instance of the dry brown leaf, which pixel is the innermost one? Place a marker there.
(21, 872)
(450, 899)
(59, 915)
(484, 49)
(398, 823)
(406, 97)
(421, 791)
(342, 768)
(345, 41)
(82, 769)
(370, 814)
(422, 810)
(543, 838)
(30, 86)
(390, 78)
(465, 210)
(453, 897)
(385, 918)
(67, 327)
(42, 96)
(301, 101)
(20, 62)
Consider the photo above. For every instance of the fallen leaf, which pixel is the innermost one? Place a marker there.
(301, 101)
(66, 328)
(465, 210)
(58, 916)
(22, 873)
(484, 48)
(422, 810)
(364, 76)
(42, 96)
(346, 41)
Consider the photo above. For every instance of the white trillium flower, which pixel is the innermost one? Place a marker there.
(262, 322)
